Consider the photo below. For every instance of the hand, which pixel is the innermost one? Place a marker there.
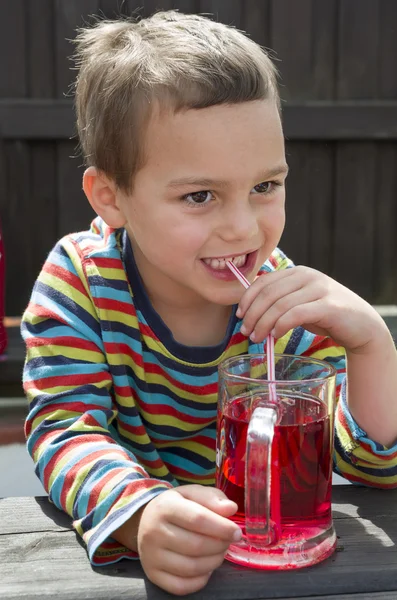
(183, 536)
(279, 301)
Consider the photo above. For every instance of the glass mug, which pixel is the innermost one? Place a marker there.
(274, 458)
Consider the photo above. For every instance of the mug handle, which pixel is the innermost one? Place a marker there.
(260, 528)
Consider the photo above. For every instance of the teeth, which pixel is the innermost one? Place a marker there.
(220, 263)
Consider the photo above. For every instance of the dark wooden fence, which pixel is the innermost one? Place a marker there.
(338, 62)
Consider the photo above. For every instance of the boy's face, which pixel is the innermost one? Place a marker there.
(212, 188)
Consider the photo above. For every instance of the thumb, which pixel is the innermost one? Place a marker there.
(210, 497)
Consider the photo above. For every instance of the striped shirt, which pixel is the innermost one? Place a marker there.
(119, 411)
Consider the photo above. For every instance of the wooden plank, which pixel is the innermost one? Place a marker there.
(69, 14)
(13, 80)
(361, 120)
(113, 9)
(36, 119)
(387, 76)
(320, 187)
(385, 219)
(303, 36)
(256, 21)
(74, 212)
(377, 120)
(291, 39)
(230, 13)
(40, 55)
(309, 233)
(40, 515)
(295, 241)
(47, 560)
(152, 6)
(358, 49)
(14, 210)
(356, 182)
(323, 52)
(42, 212)
(187, 6)
(11, 368)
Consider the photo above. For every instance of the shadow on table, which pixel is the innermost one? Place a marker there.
(366, 528)
(52, 512)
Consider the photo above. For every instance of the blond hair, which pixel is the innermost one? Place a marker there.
(175, 60)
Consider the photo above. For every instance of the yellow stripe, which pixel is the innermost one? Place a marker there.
(347, 469)
(112, 273)
(193, 446)
(69, 291)
(52, 349)
(138, 439)
(76, 261)
(119, 317)
(56, 416)
(64, 388)
(112, 483)
(210, 480)
(174, 421)
(233, 350)
(336, 351)
(281, 343)
(158, 473)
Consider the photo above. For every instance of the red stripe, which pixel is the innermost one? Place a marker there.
(91, 457)
(109, 263)
(177, 472)
(319, 343)
(118, 348)
(166, 410)
(67, 341)
(104, 560)
(98, 487)
(89, 440)
(44, 313)
(116, 305)
(64, 275)
(68, 380)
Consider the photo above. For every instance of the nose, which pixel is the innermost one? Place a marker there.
(239, 221)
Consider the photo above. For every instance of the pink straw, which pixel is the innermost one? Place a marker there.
(269, 340)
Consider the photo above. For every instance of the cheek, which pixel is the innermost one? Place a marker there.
(273, 220)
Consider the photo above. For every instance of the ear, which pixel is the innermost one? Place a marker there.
(101, 192)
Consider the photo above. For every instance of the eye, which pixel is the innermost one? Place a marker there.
(198, 198)
(265, 187)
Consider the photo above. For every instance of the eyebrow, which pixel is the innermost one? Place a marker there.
(205, 182)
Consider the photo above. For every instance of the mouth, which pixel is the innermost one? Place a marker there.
(219, 264)
(218, 268)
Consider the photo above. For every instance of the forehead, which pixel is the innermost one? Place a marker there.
(228, 139)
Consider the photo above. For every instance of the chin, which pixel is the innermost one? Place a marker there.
(228, 299)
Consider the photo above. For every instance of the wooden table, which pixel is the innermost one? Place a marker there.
(41, 557)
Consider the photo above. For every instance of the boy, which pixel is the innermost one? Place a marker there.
(179, 123)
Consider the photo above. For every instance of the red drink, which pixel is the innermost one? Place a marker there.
(301, 465)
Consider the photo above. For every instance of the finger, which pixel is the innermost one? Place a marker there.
(267, 321)
(210, 497)
(306, 315)
(193, 517)
(186, 566)
(179, 586)
(269, 282)
(193, 544)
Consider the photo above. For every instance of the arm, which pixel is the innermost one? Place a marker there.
(366, 424)
(69, 426)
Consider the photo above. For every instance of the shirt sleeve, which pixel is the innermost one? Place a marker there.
(69, 433)
(356, 457)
